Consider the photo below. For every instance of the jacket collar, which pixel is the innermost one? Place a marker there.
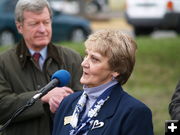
(109, 108)
(24, 55)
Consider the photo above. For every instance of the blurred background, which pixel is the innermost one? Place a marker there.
(155, 25)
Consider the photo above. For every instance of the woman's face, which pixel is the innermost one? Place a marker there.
(96, 70)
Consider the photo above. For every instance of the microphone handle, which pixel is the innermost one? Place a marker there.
(43, 91)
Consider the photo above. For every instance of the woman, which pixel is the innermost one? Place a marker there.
(103, 107)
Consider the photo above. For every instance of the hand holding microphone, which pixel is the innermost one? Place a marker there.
(55, 96)
(60, 78)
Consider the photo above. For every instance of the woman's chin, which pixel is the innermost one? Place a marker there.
(83, 80)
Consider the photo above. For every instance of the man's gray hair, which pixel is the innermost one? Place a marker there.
(30, 5)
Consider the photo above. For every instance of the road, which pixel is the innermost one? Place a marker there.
(116, 20)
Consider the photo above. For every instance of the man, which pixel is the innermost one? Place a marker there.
(21, 75)
(174, 106)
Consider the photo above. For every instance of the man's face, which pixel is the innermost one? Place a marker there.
(36, 29)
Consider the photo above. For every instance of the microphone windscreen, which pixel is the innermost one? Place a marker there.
(63, 76)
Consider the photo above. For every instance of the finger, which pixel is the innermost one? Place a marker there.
(66, 94)
(68, 90)
(45, 98)
(54, 103)
(52, 109)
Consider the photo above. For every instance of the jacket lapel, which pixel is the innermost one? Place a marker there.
(23, 53)
(107, 111)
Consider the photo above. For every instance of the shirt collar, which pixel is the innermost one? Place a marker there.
(24, 55)
(43, 52)
(95, 92)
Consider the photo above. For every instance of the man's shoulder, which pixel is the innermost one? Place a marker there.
(69, 55)
(8, 53)
(66, 50)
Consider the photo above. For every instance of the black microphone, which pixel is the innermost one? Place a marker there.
(60, 78)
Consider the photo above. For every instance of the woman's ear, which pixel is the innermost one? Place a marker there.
(115, 74)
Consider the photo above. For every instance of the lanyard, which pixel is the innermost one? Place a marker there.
(85, 125)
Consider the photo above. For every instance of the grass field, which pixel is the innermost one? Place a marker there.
(155, 76)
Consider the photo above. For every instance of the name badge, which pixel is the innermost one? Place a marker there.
(67, 120)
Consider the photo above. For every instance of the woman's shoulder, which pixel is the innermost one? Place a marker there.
(126, 100)
(133, 103)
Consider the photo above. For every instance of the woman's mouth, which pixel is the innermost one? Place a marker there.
(85, 73)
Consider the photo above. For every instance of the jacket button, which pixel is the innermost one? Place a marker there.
(38, 86)
(21, 56)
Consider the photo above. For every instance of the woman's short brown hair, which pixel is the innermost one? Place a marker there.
(118, 47)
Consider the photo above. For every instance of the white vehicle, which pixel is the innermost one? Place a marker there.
(73, 6)
(147, 15)
(69, 7)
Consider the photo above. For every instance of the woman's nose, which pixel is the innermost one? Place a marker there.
(85, 62)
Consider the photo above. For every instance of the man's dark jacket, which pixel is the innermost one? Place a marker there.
(19, 80)
(174, 106)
